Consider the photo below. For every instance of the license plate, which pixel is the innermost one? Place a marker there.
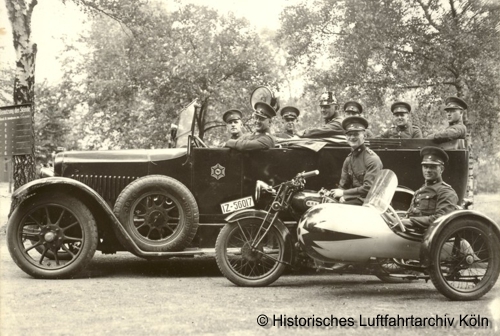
(232, 206)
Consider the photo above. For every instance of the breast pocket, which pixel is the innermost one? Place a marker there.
(428, 203)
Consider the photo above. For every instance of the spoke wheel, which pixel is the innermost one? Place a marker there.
(52, 236)
(465, 260)
(243, 265)
(159, 213)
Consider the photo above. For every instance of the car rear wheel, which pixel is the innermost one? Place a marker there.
(465, 259)
(52, 236)
(159, 213)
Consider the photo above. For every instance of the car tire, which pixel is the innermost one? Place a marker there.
(56, 223)
(476, 255)
(159, 213)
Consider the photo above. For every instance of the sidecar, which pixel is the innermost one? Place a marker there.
(460, 252)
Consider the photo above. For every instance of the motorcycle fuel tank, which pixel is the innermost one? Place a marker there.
(334, 232)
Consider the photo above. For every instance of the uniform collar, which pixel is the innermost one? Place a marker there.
(433, 182)
(235, 136)
(356, 151)
(459, 122)
(402, 128)
(335, 115)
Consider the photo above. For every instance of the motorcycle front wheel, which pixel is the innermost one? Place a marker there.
(246, 266)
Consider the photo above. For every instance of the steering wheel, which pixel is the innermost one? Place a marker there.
(394, 214)
(198, 142)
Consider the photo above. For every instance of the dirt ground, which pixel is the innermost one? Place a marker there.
(125, 295)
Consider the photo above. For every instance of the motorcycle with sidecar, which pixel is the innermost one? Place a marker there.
(459, 252)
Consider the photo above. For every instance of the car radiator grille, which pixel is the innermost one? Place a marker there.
(109, 187)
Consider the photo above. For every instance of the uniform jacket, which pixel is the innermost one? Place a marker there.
(433, 200)
(359, 171)
(284, 135)
(333, 126)
(252, 141)
(402, 132)
(454, 131)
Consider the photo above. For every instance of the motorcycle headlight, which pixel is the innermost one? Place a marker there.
(259, 187)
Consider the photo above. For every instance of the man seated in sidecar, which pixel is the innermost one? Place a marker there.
(435, 198)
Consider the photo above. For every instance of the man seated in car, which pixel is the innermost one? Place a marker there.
(290, 115)
(354, 109)
(333, 121)
(456, 129)
(435, 198)
(232, 118)
(402, 127)
(361, 166)
(260, 138)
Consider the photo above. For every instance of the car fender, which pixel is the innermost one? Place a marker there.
(435, 229)
(261, 214)
(96, 204)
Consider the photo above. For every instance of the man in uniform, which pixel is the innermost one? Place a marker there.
(333, 122)
(260, 138)
(361, 166)
(402, 127)
(435, 198)
(232, 118)
(454, 108)
(355, 109)
(289, 115)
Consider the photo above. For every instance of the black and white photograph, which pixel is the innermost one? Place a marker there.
(249, 167)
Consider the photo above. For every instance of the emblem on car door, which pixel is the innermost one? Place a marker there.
(218, 171)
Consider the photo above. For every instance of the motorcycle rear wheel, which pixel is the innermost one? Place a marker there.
(246, 267)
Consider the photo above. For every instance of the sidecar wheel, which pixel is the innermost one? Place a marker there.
(55, 223)
(465, 260)
(244, 267)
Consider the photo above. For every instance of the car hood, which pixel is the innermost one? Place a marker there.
(129, 155)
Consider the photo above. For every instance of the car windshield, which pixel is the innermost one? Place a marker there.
(382, 191)
(185, 122)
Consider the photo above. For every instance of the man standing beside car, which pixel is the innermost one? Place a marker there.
(232, 118)
(454, 108)
(333, 121)
(260, 138)
(402, 127)
(435, 198)
(361, 166)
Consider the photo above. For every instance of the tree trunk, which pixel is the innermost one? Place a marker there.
(20, 13)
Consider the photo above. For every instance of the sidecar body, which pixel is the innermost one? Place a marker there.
(460, 252)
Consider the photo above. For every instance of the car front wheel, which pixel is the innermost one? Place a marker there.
(52, 236)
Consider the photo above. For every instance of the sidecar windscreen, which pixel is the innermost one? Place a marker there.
(382, 191)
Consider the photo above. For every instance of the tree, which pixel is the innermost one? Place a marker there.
(383, 49)
(136, 79)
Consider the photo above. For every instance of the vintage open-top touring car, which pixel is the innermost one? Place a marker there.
(160, 203)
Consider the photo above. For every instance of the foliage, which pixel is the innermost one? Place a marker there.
(137, 78)
(419, 50)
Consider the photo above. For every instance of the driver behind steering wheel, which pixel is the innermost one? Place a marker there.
(435, 198)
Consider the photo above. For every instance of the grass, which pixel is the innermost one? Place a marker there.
(488, 204)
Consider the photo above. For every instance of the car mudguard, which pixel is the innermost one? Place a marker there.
(289, 254)
(91, 198)
(435, 229)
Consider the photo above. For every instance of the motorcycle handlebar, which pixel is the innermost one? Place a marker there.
(309, 173)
